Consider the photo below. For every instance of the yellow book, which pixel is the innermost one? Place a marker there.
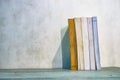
(73, 46)
(79, 40)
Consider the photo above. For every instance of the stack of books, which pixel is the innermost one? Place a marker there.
(84, 46)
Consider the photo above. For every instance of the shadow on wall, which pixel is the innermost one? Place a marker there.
(65, 48)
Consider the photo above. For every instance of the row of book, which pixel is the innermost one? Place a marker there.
(84, 46)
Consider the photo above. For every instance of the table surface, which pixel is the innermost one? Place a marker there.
(110, 73)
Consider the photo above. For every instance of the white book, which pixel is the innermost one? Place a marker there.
(96, 44)
(85, 44)
(79, 40)
(91, 44)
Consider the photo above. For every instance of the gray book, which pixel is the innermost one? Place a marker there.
(96, 43)
(91, 44)
(85, 43)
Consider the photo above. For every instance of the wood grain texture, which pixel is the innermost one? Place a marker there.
(73, 46)
(96, 44)
(85, 43)
(79, 39)
(91, 45)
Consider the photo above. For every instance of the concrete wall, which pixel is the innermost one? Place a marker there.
(33, 31)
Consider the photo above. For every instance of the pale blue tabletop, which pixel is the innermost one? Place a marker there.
(112, 73)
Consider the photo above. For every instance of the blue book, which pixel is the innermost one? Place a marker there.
(96, 43)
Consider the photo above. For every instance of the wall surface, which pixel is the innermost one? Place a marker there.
(33, 33)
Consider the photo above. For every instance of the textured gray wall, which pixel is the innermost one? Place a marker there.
(31, 31)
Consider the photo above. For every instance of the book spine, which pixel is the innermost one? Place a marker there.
(73, 46)
(91, 45)
(85, 43)
(96, 44)
(79, 39)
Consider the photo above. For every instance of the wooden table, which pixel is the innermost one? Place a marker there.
(111, 73)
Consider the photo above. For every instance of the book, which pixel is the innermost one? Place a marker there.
(73, 46)
(96, 44)
(79, 40)
(91, 44)
(85, 43)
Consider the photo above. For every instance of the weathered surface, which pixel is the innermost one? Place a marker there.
(60, 74)
(30, 30)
